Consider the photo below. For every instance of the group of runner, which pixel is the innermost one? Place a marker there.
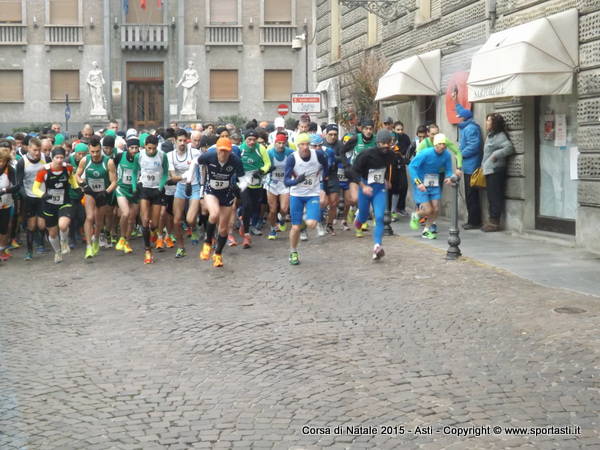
(168, 185)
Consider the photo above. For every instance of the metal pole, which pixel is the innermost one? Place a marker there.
(306, 56)
(453, 252)
(387, 218)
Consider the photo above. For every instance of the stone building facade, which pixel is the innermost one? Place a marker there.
(543, 193)
(242, 50)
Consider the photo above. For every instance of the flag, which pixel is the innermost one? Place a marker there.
(126, 6)
(143, 4)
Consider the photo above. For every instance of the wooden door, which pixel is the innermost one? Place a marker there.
(145, 105)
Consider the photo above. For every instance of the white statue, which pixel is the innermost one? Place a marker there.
(96, 82)
(189, 80)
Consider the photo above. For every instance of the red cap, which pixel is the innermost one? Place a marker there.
(281, 137)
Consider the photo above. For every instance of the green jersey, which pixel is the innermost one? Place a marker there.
(362, 145)
(125, 170)
(73, 194)
(96, 174)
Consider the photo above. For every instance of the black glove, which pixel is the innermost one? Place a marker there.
(188, 189)
(139, 187)
(170, 182)
(100, 197)
(300, 178)
(46, 196)
(86, 188)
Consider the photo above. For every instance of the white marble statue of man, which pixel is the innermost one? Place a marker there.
(96, 82)
(189, 80)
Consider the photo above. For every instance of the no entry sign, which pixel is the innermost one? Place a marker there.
(283, 109)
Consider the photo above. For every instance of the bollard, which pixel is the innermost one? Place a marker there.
(453, 252)
(387, 222)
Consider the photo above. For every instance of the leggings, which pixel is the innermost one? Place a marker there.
(4, 220)
(378, 200)
(251, 199)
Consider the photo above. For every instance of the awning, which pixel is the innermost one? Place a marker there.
(536, 58)
(417, 75)
(331, 87)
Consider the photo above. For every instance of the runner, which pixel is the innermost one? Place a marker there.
(221, 168)
(372, 167)
(303, 170)
(109, 237)
(151, 169)
(76, 197)
(180, 162)
(27, 169)
(97, 175)
(8, 185)
(333, 147)
(55, 178)
(278, 194)
(424, 172)
(127, 201)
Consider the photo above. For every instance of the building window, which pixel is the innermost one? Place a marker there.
(151, 14)
(278, 12)
(64, 82)
(371, 29)
(278, 85)
(336, 28)
(63, 12)
(223, 85)
(11, 85)
(11, 11)
(223, 12)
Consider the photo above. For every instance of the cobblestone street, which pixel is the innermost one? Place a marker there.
(180, 355)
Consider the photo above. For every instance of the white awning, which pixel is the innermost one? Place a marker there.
(417, 75)
(331, 87)
(536, 58)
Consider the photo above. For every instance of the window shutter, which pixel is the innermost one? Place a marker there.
(278, 85)
(278, 11)
(10, 11)
(223, 12)
(224, 85)
(151, 15)
(64, 82)
(64, 12)
(11, 85)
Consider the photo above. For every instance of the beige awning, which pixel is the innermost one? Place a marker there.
(417, 75)
(536, 58)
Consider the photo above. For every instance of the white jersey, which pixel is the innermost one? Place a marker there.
(151, 170)
(6, 200)
(180, 164)
(30, 171)
(311, 169)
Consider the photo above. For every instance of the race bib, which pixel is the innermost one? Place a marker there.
(279, 174)
(127, 176)
(170, 190)
(341, 174)
(376, 176)
(431, 180)
(56, 196)
(255, 179)
(150, 180)
(96, 184)
(219, 184)
(309, 181)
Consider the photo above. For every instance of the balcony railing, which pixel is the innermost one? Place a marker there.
(13, 34)
(277, 34)
(224, 35)
(64, 35)
(144, 37)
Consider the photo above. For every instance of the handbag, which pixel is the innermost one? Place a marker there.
(477, 179)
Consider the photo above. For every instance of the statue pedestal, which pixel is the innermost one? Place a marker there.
(188, 117)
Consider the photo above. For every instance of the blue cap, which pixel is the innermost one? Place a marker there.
(316, 139)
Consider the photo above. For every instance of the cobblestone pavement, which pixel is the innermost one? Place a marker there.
(180, 355)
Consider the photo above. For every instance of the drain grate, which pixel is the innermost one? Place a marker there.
(569, 310)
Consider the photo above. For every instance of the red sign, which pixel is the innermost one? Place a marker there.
(283, 109)
(458, 84)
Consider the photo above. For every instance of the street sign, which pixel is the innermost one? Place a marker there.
(306, 103)
(283, 109)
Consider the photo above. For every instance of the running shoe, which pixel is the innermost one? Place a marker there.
(428, 235)
(395, 217)
(345, 226)
(57, 257)
(41, 250)
(195, 238)
(423, 221)
(64, 247)
(365, 226)
(95, 248)
(272, 234)
(159, 244)
(148, 258)
(350, 216)
(153, 237)
(330, 229)
(403, 213)
(3, 256)
(231, 241)
(14, 244)
(28, 256)
(255, 231)
(247, 243)
(378, 252)
(321, 230)
(172, 236)
(294, 260)
(303, 235)
(217, 260)
(135, 233)
(414, 221)
(206, 251)
(109, 241)
(121, 244)
(433, 228)
(169, 242)
(89, 252)
(127, 248)
(358, 229)
(282, 226)
(180, 253)
(102, 241)
(113, 240)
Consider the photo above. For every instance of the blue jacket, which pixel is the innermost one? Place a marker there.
(470, 142)
(428, 161)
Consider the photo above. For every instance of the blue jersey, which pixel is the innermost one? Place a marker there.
(427, 165)
(331, 160)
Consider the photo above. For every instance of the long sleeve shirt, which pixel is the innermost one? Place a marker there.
(429, 162)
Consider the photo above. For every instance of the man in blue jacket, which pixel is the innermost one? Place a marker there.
(470, 144)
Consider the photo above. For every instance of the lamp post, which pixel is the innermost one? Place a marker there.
(453, 252)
